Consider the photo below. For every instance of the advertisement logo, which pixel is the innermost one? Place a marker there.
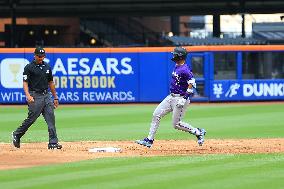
(217, 89)
(233, 90)
(263, 89)
(12, 72)
(248, 90)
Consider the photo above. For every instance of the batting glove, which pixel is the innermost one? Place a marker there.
(190, 91)
(181, 102)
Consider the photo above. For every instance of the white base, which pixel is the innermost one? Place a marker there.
(105, 149)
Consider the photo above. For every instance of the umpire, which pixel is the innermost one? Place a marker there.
(37, 77)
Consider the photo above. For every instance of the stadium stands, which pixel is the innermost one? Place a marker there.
(121, 31)
(182, 40)
(273, 33)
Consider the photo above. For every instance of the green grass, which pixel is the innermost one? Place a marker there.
(123, 122)
(130, 122)
(256, 171)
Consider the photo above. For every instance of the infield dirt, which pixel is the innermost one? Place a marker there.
(36, 154)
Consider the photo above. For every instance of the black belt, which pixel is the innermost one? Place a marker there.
(41, 92)
(175, 95)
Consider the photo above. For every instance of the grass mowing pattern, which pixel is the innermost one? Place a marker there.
(257, 171)
(123, 122)
(254, 171)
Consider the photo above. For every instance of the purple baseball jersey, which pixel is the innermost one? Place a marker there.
(180, 76)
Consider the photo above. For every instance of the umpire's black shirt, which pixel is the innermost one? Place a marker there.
(38, 76)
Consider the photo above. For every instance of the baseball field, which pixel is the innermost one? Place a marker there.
(244, 148)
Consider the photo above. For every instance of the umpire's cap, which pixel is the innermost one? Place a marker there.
(39, 51)
(179, 53)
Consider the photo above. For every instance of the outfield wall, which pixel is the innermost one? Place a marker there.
(118, 75)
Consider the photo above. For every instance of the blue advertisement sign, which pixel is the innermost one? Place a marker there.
(235, 90)
(112, 76)
(92, 77)
(96, 78)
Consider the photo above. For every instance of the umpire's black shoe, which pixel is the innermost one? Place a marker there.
(54, 146)
(15, 140)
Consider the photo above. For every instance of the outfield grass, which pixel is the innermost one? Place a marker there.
(256, 171)
(130, 122)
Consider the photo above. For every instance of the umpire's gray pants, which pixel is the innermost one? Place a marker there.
(42, 105)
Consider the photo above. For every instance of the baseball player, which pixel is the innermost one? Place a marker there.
(37, 77)
(181, 89)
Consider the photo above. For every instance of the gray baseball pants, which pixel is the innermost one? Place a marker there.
(169, 104)
(42, 105)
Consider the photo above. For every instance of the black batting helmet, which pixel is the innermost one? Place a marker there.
(179, 53)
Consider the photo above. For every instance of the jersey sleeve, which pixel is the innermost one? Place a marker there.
(190, 79)
(26, 73)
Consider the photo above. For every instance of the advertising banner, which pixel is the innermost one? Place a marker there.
(121, 75)
(93, 78)
(241, 90)
(98, 76)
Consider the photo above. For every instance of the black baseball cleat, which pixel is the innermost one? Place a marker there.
(54, 146)
(15, 140)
